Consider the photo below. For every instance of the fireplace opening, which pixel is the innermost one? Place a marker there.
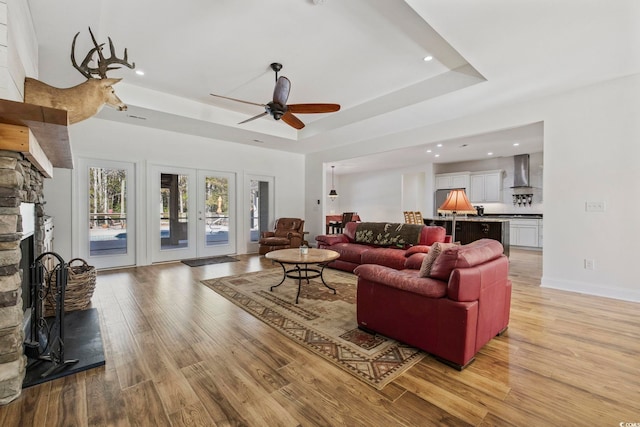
(27, 247)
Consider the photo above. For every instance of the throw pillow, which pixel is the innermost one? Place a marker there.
(427, 262)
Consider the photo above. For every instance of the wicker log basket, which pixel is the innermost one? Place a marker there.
(81, 283)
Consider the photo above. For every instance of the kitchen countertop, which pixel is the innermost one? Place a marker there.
(469, 219)
(488, 217)
(514, 216)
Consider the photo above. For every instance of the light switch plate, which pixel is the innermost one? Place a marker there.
(594, 206)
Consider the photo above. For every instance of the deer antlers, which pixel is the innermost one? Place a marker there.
(103, 63)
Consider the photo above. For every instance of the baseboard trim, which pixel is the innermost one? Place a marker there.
(592, 289)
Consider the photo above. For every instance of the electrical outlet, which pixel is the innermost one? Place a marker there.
(594, 206)
(589, 264)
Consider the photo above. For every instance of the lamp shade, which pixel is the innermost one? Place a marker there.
(333, 194)
(457, 202)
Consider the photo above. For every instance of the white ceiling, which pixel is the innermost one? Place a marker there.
(363, 54)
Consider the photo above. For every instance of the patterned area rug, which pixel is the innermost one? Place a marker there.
(322, 322)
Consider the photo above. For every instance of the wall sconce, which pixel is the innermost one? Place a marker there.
(333, 193)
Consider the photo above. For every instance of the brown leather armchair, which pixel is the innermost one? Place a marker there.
(288, 233)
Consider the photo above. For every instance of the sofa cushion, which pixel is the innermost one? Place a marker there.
(388, 257)
(332, 239)
(414, 261)
(349, 231)
(406, 280)
(417, 249)
(350, 252)
(465, 256)
(431, 234)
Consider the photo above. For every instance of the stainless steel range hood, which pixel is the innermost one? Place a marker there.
(521, 171)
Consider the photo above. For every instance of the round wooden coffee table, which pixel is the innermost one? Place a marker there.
(303, 269)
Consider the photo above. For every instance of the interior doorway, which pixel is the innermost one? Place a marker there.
(260, 202)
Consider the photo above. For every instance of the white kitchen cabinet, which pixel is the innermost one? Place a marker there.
(486, 187)
(524, 232)
(452, 180)
(540, 233)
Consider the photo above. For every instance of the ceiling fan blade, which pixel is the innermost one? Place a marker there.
(313, 108)
(281, 92)
(292, 120)
(237, 100)
(254, 117)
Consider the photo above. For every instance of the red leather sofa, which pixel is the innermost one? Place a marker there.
(353, 254)
(451, 314)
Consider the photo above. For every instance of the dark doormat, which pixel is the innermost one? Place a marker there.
(197, 262)
(83, 341)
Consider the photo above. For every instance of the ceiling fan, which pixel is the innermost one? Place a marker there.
(279, 109)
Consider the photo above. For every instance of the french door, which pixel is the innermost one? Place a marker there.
(106, 213)
(192, 213)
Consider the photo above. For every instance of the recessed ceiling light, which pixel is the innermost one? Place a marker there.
(437, 155)
(428, 151)
(427, 58)
(439, 145)
(489, 153)
(140, 72)
(515, 144)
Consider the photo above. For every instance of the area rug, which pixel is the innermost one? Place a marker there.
(322, 322)
(198, 262)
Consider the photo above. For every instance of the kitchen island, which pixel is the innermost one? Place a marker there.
(475, 228)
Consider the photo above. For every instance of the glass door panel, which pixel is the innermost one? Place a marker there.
(216, 211)
(216, 225)
(174, 211)
(171, 228)
(106, 207)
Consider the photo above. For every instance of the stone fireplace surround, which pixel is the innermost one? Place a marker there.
(20, 182)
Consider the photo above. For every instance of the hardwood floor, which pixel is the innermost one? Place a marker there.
(178, 354)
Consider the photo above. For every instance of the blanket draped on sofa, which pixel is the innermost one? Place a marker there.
(388, 234)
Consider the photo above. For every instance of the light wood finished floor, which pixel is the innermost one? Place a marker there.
(178, 354)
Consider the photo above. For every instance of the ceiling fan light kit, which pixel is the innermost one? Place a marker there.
(278, 107)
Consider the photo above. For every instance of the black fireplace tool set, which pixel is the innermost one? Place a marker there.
(45, 337)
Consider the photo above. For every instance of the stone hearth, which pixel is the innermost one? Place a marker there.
(20, 182)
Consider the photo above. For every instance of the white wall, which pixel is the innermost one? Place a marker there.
(591, 149)
(18, 48)
(375, 196)
(102, 139)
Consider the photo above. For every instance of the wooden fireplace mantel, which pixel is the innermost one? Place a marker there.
(40, 133)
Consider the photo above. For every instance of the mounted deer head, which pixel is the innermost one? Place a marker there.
(86, 99)
(103, 63)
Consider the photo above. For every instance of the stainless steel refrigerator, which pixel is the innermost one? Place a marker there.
(438, 199)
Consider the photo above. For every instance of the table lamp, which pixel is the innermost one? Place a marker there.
(456, 203)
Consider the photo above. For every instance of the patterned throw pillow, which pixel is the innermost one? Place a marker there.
(427, 263)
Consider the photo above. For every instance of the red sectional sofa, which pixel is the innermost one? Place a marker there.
(353, 254)
(451, 314)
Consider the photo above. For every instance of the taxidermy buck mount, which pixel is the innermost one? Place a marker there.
(86, 99)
